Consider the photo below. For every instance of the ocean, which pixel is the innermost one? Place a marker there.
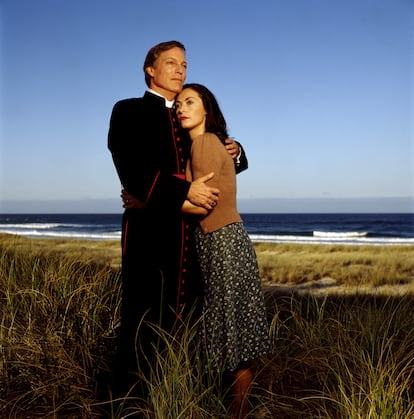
(372, 229)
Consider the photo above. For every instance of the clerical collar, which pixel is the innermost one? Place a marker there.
(168, 103)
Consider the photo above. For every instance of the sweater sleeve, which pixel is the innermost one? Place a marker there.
(207, 155)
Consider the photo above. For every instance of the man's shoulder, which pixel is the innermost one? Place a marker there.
(125, 107)
(148, 100)
(127, 103)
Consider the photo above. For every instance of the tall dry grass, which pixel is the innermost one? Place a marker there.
(58, 319)
(347, 264)
(340, 357)
(337, 356)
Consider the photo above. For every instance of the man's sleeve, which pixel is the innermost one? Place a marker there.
(240, 161)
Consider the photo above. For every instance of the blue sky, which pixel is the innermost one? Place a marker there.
(319, 92)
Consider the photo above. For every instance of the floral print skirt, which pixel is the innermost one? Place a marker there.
(234, 323)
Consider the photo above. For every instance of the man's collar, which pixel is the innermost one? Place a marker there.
(168, 103)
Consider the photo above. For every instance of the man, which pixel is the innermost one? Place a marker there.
(160, 281)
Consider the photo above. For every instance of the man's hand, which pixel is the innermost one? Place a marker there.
(129, 201)
(232, 148)
(190, 209)
(202, 195)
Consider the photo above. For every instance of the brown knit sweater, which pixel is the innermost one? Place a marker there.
(209, 155)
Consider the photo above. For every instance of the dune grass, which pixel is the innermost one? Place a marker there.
(291, 264)
(334, 356)
(348, 265)
(58, 320)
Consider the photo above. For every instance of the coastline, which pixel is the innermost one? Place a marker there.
(304, 228)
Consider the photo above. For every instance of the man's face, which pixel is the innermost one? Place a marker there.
(168, 72)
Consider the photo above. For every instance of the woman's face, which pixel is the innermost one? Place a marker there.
(190, 111)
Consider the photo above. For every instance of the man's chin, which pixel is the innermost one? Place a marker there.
(178, 87)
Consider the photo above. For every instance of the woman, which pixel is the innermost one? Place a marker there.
(235, 328)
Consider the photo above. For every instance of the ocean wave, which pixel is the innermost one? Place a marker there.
(334, 234)
(379, 241)
(49, 226)
(37, 226)
(116, 235)
(264, 238)
(358, 229)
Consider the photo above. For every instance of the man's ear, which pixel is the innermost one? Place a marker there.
(150, 71)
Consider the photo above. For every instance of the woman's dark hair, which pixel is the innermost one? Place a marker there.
(215, 122)
(155, 52)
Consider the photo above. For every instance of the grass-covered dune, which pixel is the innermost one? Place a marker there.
(354, 268)
(341, 326)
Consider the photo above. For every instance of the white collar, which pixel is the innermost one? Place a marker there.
(168, 103)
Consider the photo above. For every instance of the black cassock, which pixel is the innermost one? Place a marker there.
(159, 269)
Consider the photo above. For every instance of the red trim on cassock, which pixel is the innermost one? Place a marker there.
(124, 244)
(153, 185)
(177, 158)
